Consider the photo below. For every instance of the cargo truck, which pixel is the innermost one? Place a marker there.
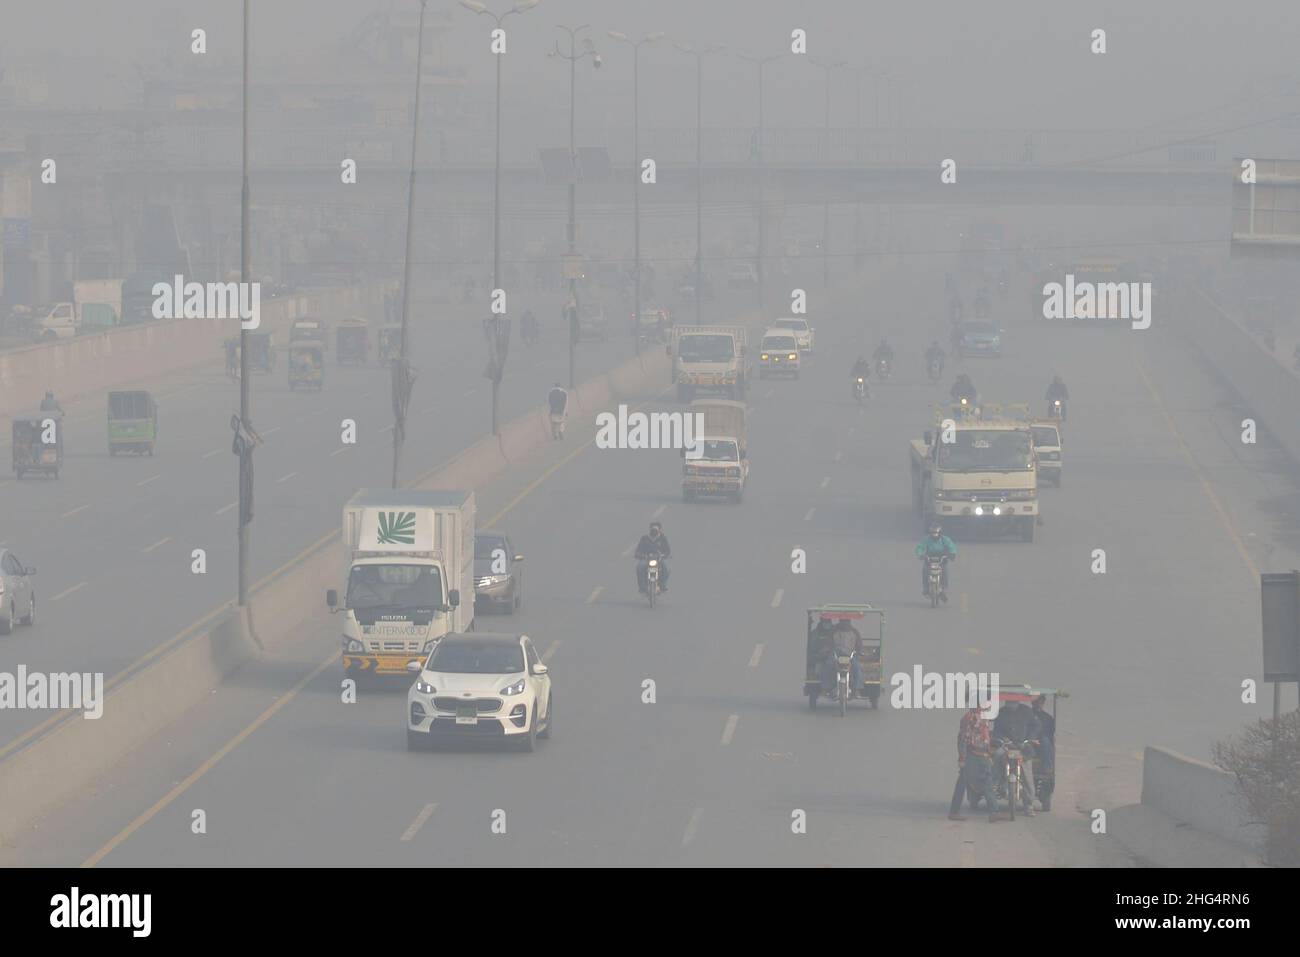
(711, 358)
(720, 465)
(977, 471)
(409, 576)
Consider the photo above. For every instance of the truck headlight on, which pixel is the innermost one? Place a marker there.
(352, 646)
(794, 355)
(516, 688)
(764, 357)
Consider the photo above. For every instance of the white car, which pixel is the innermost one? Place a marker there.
(742, 276)
(800, 329)
(480, 685)
(778, 354)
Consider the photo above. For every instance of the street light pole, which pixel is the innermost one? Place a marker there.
(829, 66)
(762, 175)
(242, 442)
(403, 378)
(699, 55)
(636, 176)
(496, 350)
(573, 56)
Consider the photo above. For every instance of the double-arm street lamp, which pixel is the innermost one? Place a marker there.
(636, 175)
(573, 56)
(497, 331)
(760, 62)
(829, 66)
(699, 53)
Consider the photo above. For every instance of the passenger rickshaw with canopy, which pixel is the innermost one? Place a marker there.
(839, 634)
(38, 443)
(132, 422)
(306, 365)
(353, 342)
(1044, 771)
(390, 344)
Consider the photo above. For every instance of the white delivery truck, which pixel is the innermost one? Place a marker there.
(709, 358)
(98, 304)
(722, 465)
(409, 576)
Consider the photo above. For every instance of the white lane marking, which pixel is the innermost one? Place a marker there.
(546, 655)
(730, 730)
(628, 551)
(659, 511)
(776, 599)
(965, 601)
(595, 593)
(387, 428)
(364, 395)
(271, 431)
(151, 478)
(808, 516)
(68, 591)
(340, 450)
(967, 853)
(470, 393)
(826, 481)
(158, 544)
(768, 394)
(208, 455)
(692, 826)
(424, 815)
(72, 512)
(429, 411)
(756, 656)
(852, 428)
(225, 508)
(839, 454)
(285, 478)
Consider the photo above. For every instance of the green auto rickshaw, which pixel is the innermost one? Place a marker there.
(132, 422)
(839, 637)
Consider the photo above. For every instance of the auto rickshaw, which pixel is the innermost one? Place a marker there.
(353, 342)
(865, 634)
(1044, 770)
(306, 365)
(38, 443)
(261, 352)
(132, 422)
(306, 329)
(390, 343)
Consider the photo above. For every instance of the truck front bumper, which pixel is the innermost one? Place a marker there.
(386, 664)
(985, 511)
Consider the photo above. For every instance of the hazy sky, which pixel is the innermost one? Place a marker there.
(1004, 63)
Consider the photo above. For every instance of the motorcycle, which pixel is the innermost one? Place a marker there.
(1010, 782)
(1056, 410)
(934, 368)
(843, 669)
(860, 389)
(934, 579)
(651, 579)
(882, 369)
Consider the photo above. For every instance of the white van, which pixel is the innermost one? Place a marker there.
(778, 354)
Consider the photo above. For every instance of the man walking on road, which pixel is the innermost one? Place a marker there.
(974, 765)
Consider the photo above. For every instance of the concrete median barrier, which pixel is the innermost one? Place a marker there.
(66, 758)
(1189, 816)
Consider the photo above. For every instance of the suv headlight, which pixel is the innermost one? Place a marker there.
(425, 688)
(516, 688)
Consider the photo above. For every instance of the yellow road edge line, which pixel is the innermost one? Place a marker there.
(1206, 486)
(209, 764)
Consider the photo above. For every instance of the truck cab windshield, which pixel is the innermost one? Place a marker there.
(706, 348)
(719, 451)
(986, 450)
(394, 586)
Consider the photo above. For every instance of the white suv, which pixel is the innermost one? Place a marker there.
(800, 329)
(778, 354)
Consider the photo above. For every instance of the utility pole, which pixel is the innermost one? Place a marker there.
(699, 55)
(244, 435)
(762, 176)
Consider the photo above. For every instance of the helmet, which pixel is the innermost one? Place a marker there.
(935, 530)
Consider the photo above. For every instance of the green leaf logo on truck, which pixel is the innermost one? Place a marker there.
(396, 528)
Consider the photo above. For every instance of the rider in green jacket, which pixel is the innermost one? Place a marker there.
(935, 544)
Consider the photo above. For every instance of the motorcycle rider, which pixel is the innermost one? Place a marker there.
(845, 639)
(653, 545)
(1057, 390)
(933, 545)
(50, 404)
(963, 388)
(1014, 726)
(884, 351)
(861, 370)
(558, 401)
(934, 354)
